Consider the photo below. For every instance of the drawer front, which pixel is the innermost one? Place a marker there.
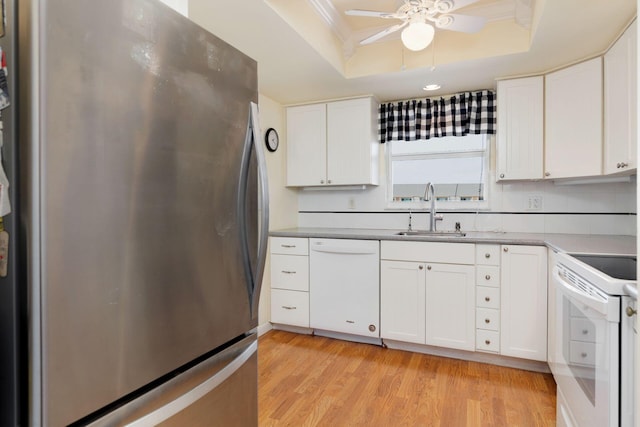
(488, 254)
(582, 353)
(487, 341)
(487, 318)
(290, 272)
(487, 297)
(488, 275)
(290, 307)
(582, 329)
(436, 252)
(289, 245)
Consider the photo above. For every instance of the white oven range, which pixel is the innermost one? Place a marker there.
(591, 358)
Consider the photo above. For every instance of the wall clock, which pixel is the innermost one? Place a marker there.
(271, 139)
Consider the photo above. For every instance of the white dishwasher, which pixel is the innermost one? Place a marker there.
(344, 286)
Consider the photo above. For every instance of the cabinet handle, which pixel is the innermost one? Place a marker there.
(288, 246)
(350, 321)
(585, 332)
(487, 299)
(289, 307)
(506, 249)
(630, 311)
(487, 277)
(487, 255)
(547, 174)
(288, 272)
(622, 165)
(328, 181)
(501, 175)
(421, 267)
(428, 267)
(322, 181)
(487, 321)
(487, 342)
(583, 355)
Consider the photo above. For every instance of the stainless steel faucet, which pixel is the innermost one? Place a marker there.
(429, 194)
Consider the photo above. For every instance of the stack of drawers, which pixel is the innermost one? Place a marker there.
(488, 298)
(290, 281)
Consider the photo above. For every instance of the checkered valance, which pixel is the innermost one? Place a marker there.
(459, 115)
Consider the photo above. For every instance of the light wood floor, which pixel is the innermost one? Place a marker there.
(315, 381)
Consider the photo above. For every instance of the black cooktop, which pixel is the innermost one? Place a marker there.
(616, 266)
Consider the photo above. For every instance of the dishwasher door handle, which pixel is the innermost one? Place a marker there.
(343, 250)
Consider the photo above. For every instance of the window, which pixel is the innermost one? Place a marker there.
(457, 167)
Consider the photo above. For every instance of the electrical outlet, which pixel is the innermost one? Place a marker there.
(535, 203)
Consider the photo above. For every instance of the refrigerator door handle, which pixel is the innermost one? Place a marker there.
(254, 275)
(183, 402)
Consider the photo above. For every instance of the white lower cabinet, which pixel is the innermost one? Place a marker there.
(425, 302)
(290, 281)
(290, 307)
(523, 302)
(450, 318)
(402, 301)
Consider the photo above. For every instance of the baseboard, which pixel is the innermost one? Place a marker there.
(264, 328)
(473, 356)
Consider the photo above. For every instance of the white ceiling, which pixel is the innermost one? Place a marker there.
(295, 68)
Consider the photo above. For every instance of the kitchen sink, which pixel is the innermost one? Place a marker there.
(431, 233)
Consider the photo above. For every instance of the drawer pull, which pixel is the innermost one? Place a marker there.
(487, 277)
(487, 321)
(351, 321)
(585, 332)
(487, 255)
(506, 249)
(487, 342)
(288, 272)
(289, 307)
(288, 246)
(583, 355)
(487, 299)
(429, 267)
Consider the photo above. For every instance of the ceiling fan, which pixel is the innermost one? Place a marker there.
(416, 16)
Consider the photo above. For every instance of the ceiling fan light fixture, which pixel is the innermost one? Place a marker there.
(430, 87)
(417, 36)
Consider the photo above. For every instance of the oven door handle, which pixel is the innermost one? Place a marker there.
(602, 306)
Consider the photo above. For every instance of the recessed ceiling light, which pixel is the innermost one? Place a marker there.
(431, 87)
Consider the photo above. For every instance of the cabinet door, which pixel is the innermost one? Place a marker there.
(307, 145)
(450, 306)
(523, 302)
(620, 119)
(520, 125)
(352, 142)
(573, 116)
(402, 301)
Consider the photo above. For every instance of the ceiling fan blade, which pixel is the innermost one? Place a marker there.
(371, 13)
(385, 32)
(459, 4)
(462, 23)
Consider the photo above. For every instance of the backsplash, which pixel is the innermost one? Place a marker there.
(596, 208)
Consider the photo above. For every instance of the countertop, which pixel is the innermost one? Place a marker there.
(571, 243)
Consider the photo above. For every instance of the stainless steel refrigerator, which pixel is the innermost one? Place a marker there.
(143, 211)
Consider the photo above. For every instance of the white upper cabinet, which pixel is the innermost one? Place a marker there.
(333, 143)
(573, 115)
(307, 145)
(519, 142)
(620, 108)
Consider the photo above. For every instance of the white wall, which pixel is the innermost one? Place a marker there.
(283, 202)
(181, 6)
(601, 208)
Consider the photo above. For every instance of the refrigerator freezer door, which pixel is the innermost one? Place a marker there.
(136, 258)
(220, 391)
